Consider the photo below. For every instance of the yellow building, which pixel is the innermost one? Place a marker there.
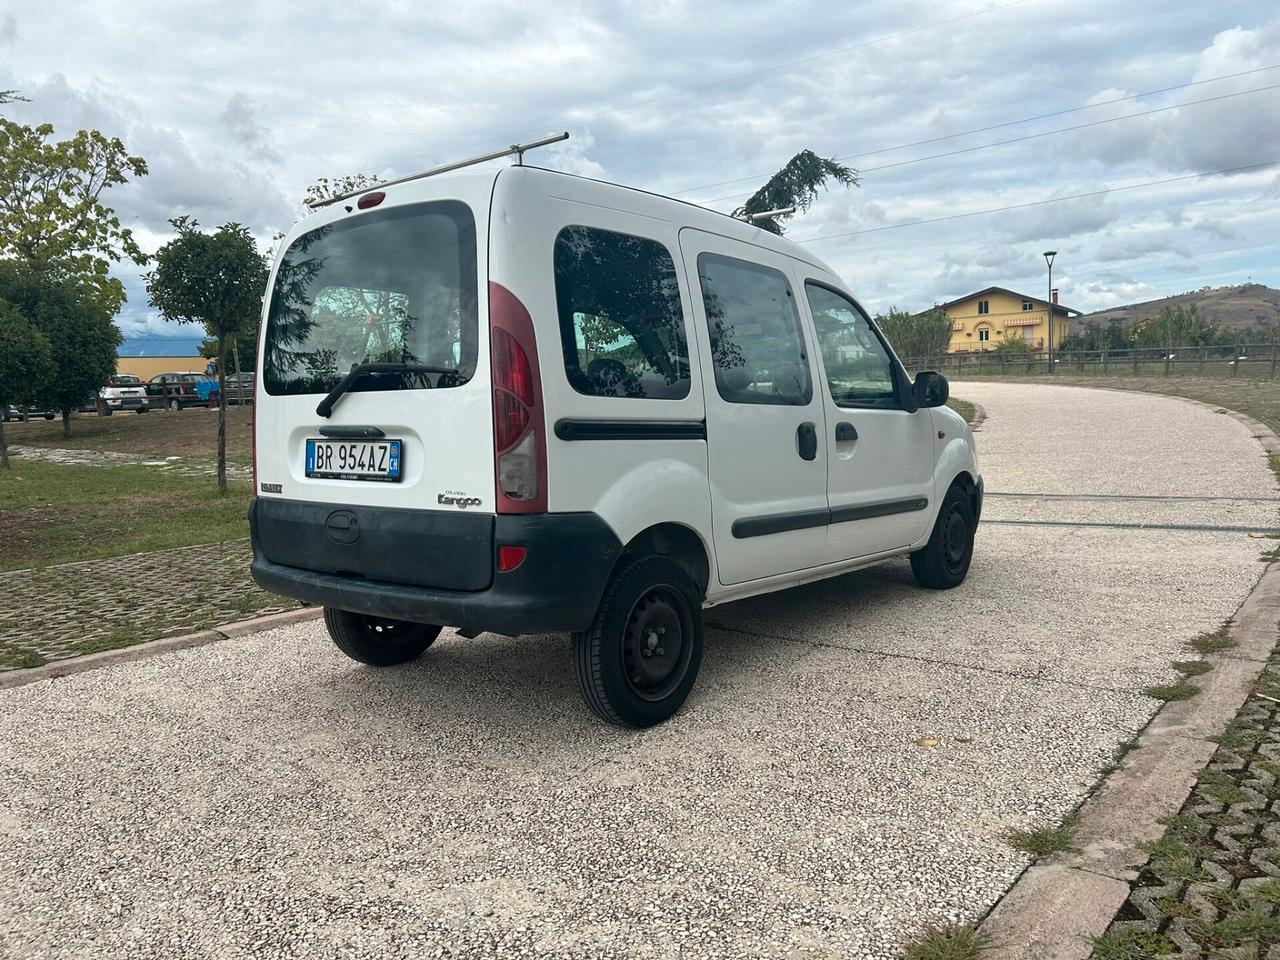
(981, 320)
(148, 367)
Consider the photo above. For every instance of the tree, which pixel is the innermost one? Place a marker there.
(52, 217)
(926, 334)
(1011, 342)
(82, 339)
(24, 364)
(1178, 326)
(795, 185)
(215, 279)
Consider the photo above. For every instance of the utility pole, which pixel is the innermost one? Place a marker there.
(1048, 259)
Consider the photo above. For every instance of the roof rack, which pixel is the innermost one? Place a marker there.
(768, 214)
(516, 149)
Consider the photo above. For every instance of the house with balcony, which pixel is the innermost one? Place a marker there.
(981, 320)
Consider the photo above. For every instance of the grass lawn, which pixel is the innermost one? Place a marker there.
(963, 407)
(192, 433)
(1259, 399)
(55, 513)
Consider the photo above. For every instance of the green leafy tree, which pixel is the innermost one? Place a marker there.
(214, 279)
(24, 365)
(1094, 336)
(77, 326)
(1011, 342)
(1177, 326)
(52, 215)
(913, 335)
(795, 185)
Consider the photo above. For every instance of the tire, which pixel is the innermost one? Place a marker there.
(49, 416)
(106, 412)
(943, 562)
(175, 406)
(621, 662)
(141, 410)
(377, 641)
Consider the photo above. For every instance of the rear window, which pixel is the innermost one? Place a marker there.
(393, 286)
(621, 322)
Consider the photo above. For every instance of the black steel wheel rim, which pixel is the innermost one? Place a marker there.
(656, 643)
(955, 539)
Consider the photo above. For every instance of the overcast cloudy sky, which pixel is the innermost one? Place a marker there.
(237, 107)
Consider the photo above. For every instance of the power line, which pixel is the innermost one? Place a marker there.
(1034, 136)
(998, 126)
(630, 105)
(1039, 203)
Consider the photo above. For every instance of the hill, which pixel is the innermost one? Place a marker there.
(1245, 307)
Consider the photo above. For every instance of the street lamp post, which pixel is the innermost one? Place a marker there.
(1048, 258)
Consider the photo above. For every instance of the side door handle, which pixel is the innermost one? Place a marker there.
(845, 432)
(807, 441)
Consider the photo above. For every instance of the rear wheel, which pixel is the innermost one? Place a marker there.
(637, 663)
(378, 641)
(943, 562)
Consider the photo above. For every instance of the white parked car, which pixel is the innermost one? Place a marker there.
(523, 402)
(123, 392)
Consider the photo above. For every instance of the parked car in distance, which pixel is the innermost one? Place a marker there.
(178, 391)
(12, 412)
(123, 391)
(240, 387)
(526, 402)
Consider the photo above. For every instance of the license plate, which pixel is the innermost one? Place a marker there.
(354, 459)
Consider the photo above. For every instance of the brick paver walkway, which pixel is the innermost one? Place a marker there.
(51, 613)
(1212, 885)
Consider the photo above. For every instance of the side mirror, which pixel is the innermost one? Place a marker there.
(930, 389)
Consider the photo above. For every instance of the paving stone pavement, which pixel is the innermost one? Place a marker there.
(180, 465)
(52, 613)
(1212, 885)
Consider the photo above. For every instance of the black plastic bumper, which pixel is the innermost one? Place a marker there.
(556, 588)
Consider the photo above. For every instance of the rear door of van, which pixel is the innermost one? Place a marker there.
(374, 418)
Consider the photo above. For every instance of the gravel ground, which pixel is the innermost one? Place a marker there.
(843, 773)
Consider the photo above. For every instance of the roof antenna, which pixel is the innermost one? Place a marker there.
(516, 149)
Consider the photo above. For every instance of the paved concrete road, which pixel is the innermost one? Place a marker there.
(266, 797)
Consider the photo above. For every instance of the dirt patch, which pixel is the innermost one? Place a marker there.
(191, 433)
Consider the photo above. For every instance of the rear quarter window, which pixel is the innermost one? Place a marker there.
(621, 320)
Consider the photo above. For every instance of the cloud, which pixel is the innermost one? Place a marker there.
(238, 107)
(240, 120)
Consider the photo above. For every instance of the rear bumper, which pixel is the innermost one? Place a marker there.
(557, 588)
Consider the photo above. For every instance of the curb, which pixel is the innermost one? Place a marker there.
(1059, 903)
(154, 648)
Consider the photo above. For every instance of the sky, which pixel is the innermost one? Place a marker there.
(238, 107)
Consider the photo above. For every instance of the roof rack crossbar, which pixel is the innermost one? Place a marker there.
(516, 149)
(768, 214)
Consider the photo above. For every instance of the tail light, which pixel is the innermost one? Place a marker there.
(519, 434)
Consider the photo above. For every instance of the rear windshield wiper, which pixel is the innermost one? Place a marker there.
(325, 407)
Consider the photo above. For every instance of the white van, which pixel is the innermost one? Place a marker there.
(524, 402)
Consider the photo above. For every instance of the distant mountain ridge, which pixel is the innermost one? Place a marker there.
(1244, 307)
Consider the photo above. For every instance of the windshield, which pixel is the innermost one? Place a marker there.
(393, 286)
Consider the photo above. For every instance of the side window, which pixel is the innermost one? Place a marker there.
(621, 322)
(756, 344)
(859, 368)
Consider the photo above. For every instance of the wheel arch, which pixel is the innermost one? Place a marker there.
(681, 543)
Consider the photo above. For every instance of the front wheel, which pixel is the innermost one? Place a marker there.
(174, 406)
(638, 661)
(378, 641)
(943, 562)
